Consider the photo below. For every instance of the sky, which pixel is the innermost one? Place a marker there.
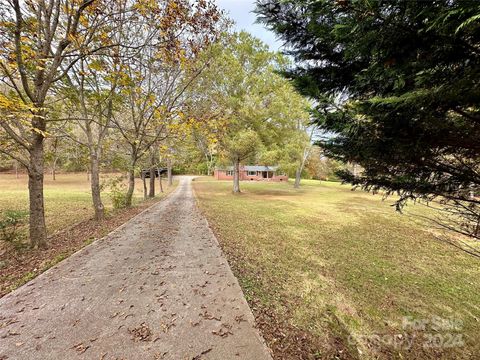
(241, 11)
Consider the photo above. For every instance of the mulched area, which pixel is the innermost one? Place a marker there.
(18, 268)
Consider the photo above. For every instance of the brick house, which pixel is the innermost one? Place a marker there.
(251, 173)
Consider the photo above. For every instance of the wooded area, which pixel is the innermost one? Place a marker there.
(133, 84)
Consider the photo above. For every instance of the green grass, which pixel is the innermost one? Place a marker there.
(67, 199)
(325, 250)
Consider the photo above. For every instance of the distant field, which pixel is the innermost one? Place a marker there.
(345, 272)
(67, 199)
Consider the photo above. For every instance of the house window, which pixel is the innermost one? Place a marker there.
(251, 173)
(229, 172)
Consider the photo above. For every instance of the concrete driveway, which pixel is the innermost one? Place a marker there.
(158, 287)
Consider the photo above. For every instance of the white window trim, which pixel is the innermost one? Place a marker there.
(229, 172)
(251, 173)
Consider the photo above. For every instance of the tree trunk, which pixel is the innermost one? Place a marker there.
(144, 187)
(298, 172)
(209, 165)
(16, 169)
(95, 186)
(55, 159)
(131, 187)
(54, 170)
(151, 193)
(38, 230)
(160, 180)
(131, 178)
(169, 172)
(298, 177)
(236, 176)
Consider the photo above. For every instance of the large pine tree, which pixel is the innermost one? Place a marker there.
(398, 88)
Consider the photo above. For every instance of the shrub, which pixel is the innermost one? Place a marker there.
(10, 223)
(118, 192)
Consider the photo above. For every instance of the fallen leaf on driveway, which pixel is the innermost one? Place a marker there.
(81, 348)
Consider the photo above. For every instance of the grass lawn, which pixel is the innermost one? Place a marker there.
(67, 199)
(344, 273)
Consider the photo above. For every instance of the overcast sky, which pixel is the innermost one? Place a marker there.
(241, 11)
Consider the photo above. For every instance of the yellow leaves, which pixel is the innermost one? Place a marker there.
(83, 20)
(7, 24)
(76, 39)
(13, 104)
(146, 7)
(28, 53)
(151, 99)
(163, 148)
(71, 37)
(96, 65)
(160, 112)
(178, 125)
(6, 103)
(67, 9)
(124, 79)
(104, 36)
(12, 107)
(173, 128)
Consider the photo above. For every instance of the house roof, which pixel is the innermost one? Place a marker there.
(252, 168)
(260, 168)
